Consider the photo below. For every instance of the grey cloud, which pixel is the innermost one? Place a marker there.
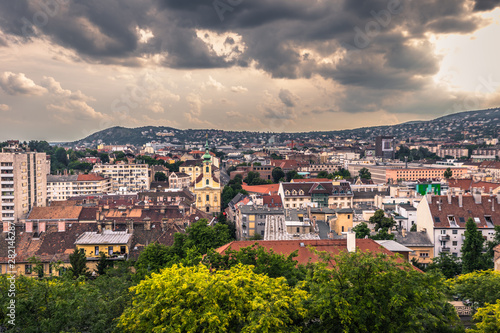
(289, 99)
(483, 5)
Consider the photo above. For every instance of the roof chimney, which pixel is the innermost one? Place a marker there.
(61, 226)
(477, 197)
(29, 226)
(460, 199)
(449, 197)
(403, 232)
(351, 241)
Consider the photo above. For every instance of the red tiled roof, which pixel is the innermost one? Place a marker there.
(286, 247)
(272, 201)
(441, 209)
(262, 189)
(469, 185)
(55, 213)
(91, 177)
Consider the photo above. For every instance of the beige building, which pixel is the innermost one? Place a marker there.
(23, 181)
(132, 177)
(179, 180)
(64, 187)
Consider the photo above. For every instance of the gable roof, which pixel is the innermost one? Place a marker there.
(55, 213)
(441, 209)
(91, 177)
(261, 189)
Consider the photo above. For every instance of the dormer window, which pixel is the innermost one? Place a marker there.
(287, 192)
(301, 192)
(294, 192)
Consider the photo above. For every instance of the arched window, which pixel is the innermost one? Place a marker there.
(208, 197)
(208, 182)
(207, 169)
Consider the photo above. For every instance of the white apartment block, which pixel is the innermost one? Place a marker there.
(133, 177)
(64, 187)
(23, 184)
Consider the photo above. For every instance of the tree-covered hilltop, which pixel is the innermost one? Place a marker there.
(458, 126)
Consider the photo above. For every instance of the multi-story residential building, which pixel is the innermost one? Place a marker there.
(252, 220)
(64, 187)
(23, 184)
(179, 180)
(132, 177)
(320, 194)
(419, 242)
(412, 174)
(444, 218)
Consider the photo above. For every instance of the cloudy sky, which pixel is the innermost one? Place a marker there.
(72, 67)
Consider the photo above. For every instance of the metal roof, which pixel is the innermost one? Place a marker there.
(393, 246)
(106, 237)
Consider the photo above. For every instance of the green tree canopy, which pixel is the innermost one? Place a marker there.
(448, 173)
(380, 221)
(263, 262)
(364, 173)
(361, 230)
(193, 299)
(368, 292)
(277, 174)
(78, 261)
(478, 287)
(160, 176)
(447, 264)
(472, 248)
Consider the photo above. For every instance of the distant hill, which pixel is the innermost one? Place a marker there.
(479, 123)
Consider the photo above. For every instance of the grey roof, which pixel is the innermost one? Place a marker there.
(61, 178)
(393, 246)
(345, 211)
(106, 237)
(413, 239)
(407, 207)
(250, 209)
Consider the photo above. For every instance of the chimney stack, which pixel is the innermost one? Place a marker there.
(351, 241)
(61, 226)
(449, 197)
(477, 197)
(403, 232)
(460, 199)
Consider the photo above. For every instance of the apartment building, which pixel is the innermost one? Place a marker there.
(132, 177)
(317, 194)
(412, 174)
(64, 187)
(444, 218)
(23, 183)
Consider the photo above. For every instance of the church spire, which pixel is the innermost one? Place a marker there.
(206, 156)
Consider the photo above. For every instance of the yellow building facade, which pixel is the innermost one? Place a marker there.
(207, 187)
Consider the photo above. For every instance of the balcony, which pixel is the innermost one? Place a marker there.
(11, 167)
(444, 238)
(7, 182)
(445, 249)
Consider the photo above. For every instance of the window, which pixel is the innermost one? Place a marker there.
(436, 219)
(298, 229)
(454, 254)
(28, 269)
(455, 232)
(96, 249)
(207, 169)
(424, 254)
(454, 243)
(123, 249)
(443, 232)
(208, 182)
(110, 250)
(348, 216)
(207, 197)
(342, 228)
(461, 219)
(476, 219)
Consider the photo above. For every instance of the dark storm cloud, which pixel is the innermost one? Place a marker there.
(287, 98)
(379, 45)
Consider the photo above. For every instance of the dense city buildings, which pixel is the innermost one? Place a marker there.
(125, 177)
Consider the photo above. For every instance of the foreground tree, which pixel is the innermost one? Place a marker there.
(78, 261)
(472, 248)
(192, 299)
(262, 260)
(449, 265)
(367, 292)
(488, 318)
(479, 287)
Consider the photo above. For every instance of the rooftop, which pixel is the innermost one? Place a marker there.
(106, 237)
